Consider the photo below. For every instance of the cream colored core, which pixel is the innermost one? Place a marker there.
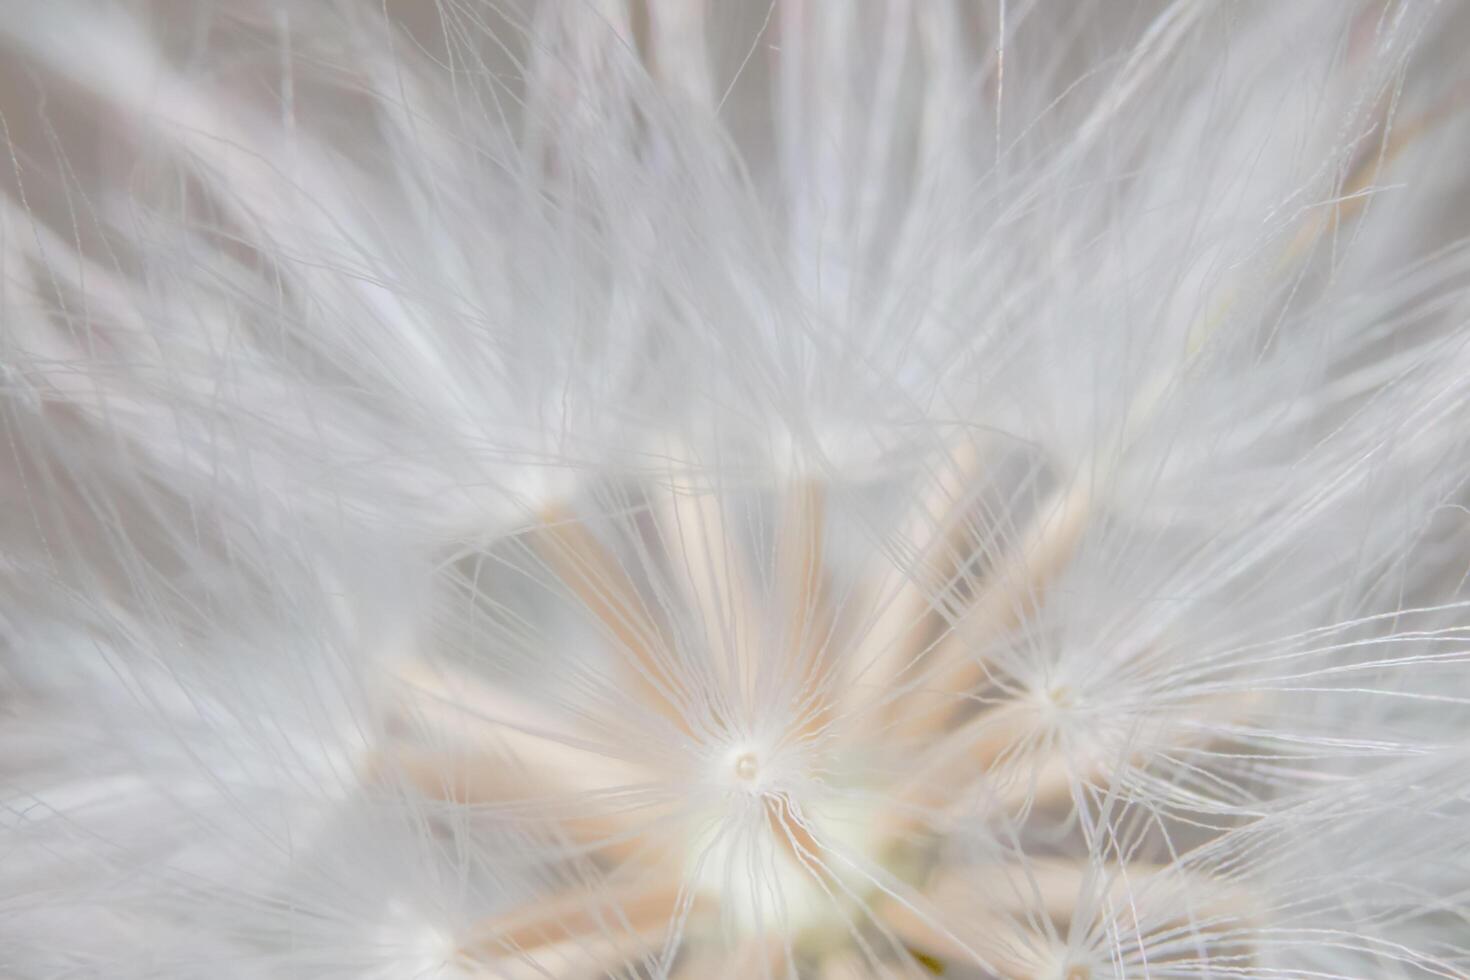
(747, 766)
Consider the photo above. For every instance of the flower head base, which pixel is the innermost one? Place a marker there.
(813, 771)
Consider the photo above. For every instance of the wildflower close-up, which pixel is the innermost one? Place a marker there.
(780, 489)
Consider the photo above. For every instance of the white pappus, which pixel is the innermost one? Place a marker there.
(674, 488)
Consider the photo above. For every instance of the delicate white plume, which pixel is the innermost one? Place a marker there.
(643, 488)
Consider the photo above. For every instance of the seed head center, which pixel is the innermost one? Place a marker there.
(747, 767)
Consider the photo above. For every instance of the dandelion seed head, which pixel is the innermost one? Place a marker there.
(678, 490)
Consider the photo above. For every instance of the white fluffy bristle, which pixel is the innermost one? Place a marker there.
(670, 488)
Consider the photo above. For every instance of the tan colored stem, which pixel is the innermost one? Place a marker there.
(617, 829)
(750, 959)
(580, 934)
(997, 911)
(1011, 593)
(603, 587)
(558, 773)
(905, 588)
(1051, 888)
(803, 583)
(964, 936)
(1009, 758)
(846, 966)
(712, 573)
(791, 835)
(1372, 160)
(946, 779)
